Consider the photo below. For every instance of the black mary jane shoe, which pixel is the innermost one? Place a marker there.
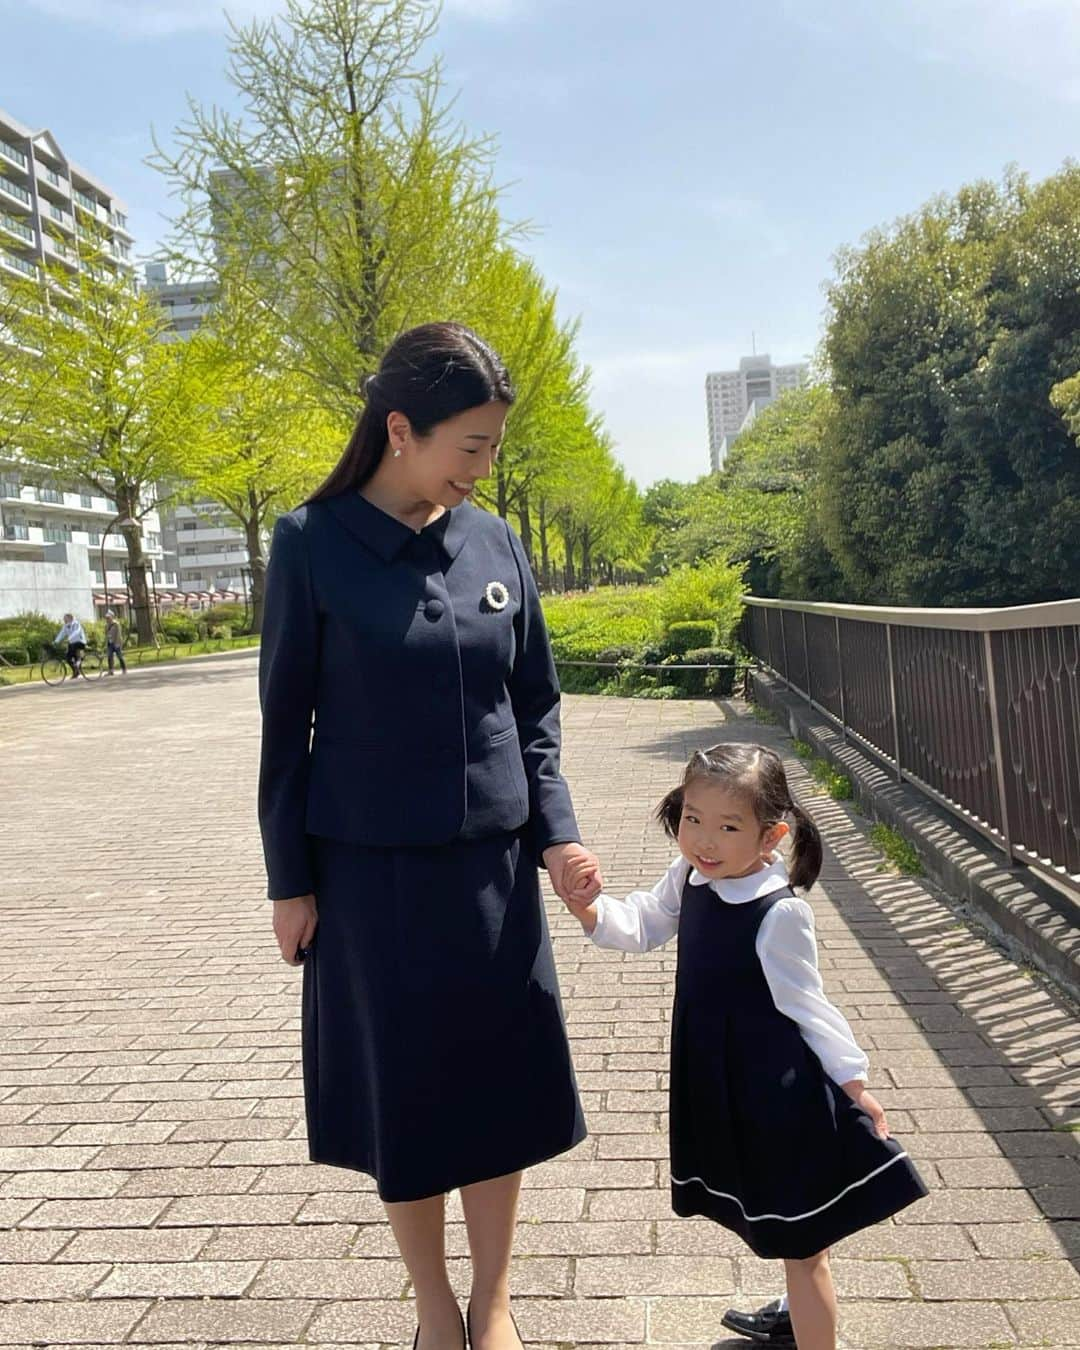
(464, 1335)
(468, 1328)
(767, 1326)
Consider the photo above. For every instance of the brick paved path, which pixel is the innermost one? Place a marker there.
(153, 1183)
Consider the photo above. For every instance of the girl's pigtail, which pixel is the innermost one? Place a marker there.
(669, 812)
(806, 850)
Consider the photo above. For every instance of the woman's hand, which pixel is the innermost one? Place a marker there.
(559, 856)
(581, 879)
(295, 922)
(856, 1090)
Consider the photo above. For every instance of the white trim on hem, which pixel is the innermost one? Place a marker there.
(789, 1218)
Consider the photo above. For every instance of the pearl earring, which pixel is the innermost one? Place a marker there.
(397, 453)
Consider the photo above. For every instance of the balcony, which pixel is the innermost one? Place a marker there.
(14, 189)
(16, 226)
(17, 264)
(13, 153)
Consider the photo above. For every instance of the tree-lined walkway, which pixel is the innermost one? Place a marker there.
(153, 1182)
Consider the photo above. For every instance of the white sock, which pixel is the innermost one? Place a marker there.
(783, 1303)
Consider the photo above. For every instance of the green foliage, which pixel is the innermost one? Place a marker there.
(582, 626)
(898, 850)
(949, 476)
(690, 593)
(802, 749)
(17, 656)
(835, 783)
(717, 683)
(226, 614)
(29, 633)
(687, 633)
(179, 626)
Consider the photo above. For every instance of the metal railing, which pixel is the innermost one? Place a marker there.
(978, 708)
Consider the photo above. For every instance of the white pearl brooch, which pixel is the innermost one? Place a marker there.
(496, 595)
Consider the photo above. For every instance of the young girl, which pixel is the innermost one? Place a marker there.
(773, 1132)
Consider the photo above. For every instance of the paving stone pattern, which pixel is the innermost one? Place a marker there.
(154, 1188)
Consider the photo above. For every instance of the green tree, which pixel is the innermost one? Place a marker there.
(345, 200)
(948, 476)
(268, 441)
(97, 397)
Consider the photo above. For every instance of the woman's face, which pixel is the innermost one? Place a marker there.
(444, 466)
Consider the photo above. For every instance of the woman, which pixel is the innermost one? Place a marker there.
(402, 836)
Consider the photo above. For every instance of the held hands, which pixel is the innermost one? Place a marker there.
(295, 922)
(575, 875)
(856, 1090)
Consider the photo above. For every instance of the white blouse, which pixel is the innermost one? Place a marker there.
(786, 947)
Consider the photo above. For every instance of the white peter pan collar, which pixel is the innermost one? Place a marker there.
(741, 890)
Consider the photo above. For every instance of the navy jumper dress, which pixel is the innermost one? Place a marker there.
(762, 1140)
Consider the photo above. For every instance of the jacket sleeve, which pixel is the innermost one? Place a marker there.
(288, 669)
(534, 694)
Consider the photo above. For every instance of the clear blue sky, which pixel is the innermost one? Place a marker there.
(693, 165)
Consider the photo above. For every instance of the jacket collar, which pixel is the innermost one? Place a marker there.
(389, 537)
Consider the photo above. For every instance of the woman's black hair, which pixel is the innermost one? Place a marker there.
(756, 773)
(430, 373)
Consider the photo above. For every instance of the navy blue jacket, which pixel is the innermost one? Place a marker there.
(436, 714)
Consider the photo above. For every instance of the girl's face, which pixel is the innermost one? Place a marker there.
(719, 833)
(444, 466)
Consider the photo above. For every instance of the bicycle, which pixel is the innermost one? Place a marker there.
(56, 668)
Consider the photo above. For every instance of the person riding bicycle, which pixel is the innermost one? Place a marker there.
(72, 633)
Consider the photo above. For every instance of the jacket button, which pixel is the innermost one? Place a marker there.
(433, 610)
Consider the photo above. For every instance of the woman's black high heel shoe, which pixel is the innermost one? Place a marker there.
(468, 1328)
(464, 1335)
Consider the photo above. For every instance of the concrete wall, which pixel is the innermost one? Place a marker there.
(61, 583)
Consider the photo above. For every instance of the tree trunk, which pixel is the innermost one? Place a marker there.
(500, 490)
(568, 567)
(586, 558)
(525, 528)
(256, 561)
(545, 557)
(127, 501)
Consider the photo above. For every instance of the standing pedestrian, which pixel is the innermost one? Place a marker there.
(409, 788)
(114, 641)
(774, 1133)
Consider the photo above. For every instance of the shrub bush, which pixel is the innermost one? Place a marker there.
(717, 683)
(17, 656)
(227, 613)
(221, 630)
(687, 634)
(179, 626)
(710, 589)
(29, 632)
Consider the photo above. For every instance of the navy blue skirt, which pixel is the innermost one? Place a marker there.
(435, 1052)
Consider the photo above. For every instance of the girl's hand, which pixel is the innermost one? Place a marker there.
(558, 858)
(295, 922)
(581, 880)
(856, 1090)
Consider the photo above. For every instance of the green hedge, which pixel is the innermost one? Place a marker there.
(688, 635)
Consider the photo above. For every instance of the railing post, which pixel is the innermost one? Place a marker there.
(783, 641)
(840, 673)
(893, 703)
(806, 662)
(999, 757)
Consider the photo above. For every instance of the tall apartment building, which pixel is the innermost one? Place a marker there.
(52, 531)
(204, 545)
(50, 209)
(734, 396)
